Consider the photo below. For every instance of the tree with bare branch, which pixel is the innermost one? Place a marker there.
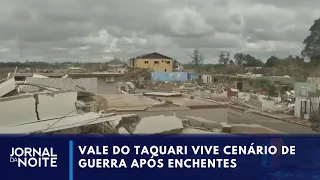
(197, 58)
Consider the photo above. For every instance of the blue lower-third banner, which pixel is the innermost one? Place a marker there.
(159, 157)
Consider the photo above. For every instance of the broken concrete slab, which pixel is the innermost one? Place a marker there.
(17, 110)
(129, 122)
(201, 122)
(226, 128)
(99, 104)
(159, 125)
(122, 130)
(195, 103)
(189, 130)
(33, 88)
(65, 84)
(89, 102)
(7, 86)
(32, 107)
(53, 105)
(163, 94)
(58, 124)
(39, 76)
(203, 94)
(75, 130)
(101, 128)
(174, 108)
(249, 129)
(163, 104)
(129, 102)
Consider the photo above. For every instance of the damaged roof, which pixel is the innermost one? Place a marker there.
(116, 62)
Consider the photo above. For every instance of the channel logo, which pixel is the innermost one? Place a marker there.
(34, 157)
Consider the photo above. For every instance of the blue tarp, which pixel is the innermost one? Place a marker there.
(173, 76)
(169, 76)
(192, 76)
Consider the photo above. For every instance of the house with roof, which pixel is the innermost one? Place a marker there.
(154, 61)
(116, 63)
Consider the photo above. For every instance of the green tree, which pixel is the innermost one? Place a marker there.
(224, 57)
(267, 86)
(297, 60)
(272, 61)
(271, 90)
(252, 61)
(239, 58)
(312, 43)
(247, 60)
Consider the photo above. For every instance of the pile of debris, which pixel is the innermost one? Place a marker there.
(218, 87)
(72, 106)
(137, 74)
(51, 110)
(195, 125)
(55, 106)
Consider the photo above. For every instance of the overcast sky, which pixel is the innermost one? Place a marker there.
(97, 30)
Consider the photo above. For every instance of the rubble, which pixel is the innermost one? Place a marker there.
(89, 102)
(123, 131)
(248, 129)
(64, 84)
(225, 93)
(58, 124)
(163, 94)
(71, 106)
(164, 104)
(129, 122)
(159, 125)
(40, 106)
(39, 76)
(203, 94)
(198, 131)
(201, 122)
(7, 86)
(226, 128)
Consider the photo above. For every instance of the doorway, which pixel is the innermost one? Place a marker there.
(239, 86)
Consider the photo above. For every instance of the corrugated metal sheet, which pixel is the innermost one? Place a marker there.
(169, 76)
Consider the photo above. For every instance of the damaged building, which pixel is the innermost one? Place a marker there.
(73, 104)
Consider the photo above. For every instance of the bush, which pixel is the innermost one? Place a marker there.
(271, 90)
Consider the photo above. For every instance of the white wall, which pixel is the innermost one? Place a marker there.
(207, 79)
(311, 107)
(314, 80)
(297, 108)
